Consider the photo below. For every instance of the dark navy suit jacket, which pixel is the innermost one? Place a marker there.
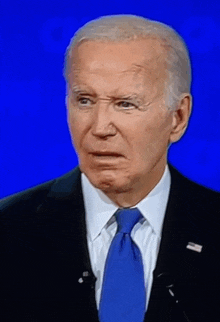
(45, 270)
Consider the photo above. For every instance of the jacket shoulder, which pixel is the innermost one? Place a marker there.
(188, 185)
(33, 197)
(196, 198)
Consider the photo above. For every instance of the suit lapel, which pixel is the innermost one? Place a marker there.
(64, 208)
(175, 263)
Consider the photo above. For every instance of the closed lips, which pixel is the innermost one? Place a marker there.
(111, 154)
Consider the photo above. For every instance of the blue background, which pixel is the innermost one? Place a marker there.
(35, 145)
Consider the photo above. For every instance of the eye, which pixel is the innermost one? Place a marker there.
(126, 105)
(84, 102)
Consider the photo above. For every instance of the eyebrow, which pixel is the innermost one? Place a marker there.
(78, 90)
(127, 97)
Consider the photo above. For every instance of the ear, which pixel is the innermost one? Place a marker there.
(67, 95)
(66, 100)
(181, 117)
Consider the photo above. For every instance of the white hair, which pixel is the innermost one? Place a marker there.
(123, 28)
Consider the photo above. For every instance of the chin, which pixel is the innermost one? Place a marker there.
(108, 181)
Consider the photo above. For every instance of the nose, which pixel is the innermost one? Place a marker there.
(102, 122)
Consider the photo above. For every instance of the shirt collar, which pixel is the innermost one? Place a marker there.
(153, 206)
(100, 209)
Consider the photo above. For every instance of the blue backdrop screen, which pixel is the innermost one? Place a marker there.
(35, 145)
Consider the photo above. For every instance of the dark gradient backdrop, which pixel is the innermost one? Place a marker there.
(34, 142)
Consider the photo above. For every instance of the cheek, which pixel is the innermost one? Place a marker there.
(79, 126)
(74, 128)
(152, 140)
(138, 146)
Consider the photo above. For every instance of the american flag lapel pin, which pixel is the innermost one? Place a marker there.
(195, 247)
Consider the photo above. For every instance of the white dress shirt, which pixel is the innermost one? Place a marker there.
(102, 226)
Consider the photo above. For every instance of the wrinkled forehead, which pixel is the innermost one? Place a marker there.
(130, 56)
(119, 67)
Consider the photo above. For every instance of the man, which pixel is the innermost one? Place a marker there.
(64, 243)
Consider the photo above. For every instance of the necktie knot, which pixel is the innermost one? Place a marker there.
(127, 219)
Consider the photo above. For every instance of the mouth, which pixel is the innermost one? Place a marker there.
(107, 158)
(106, 154)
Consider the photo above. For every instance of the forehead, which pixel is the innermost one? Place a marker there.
(132, 62)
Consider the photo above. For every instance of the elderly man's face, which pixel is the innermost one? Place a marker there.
(117, 115)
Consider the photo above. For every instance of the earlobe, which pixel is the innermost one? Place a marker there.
(181, 117)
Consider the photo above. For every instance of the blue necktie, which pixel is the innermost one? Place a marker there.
(123, 297)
